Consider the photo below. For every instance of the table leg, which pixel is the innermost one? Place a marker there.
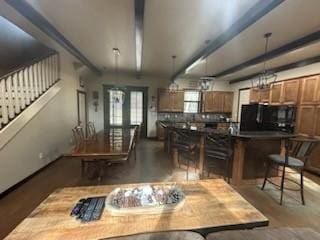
(201, 155)
(175, 157)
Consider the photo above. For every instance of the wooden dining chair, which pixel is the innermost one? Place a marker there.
(78, 136)
(298, 151)
(218, 150)
(91, 131)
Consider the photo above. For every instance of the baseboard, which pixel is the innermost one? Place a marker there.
(18, 184)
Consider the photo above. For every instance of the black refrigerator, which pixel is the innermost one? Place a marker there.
(250, 117)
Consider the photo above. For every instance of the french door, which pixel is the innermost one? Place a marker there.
(125, 107)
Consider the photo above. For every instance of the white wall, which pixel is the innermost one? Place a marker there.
(49, 132)
(292, 73)
(95, 83)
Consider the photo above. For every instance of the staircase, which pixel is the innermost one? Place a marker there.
(21, 88)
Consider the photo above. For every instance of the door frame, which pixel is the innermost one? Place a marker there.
(126, 114)
(238, 107)
(85, 106)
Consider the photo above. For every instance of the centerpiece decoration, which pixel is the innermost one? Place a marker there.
(147, 199)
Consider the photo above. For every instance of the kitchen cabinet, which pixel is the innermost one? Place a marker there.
(264, 95)
(177, 101)
(306, 120)
(290, 92)
(275, 93)
(310, 90)
(215, 101)
(164, 100)
(317, 121)
(170, 101)
(254, 95)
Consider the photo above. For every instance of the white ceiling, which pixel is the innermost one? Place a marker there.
(179, 27)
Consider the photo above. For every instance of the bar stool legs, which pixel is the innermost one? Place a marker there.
(282, 183)
(301, 187)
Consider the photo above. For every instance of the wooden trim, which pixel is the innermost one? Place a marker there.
(255, 13)
(26, 10)
(78, 107)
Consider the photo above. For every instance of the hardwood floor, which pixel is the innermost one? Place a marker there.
(153, 165)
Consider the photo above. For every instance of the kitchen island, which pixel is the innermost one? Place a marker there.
(250, 152)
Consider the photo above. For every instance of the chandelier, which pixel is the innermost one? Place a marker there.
(205, 82)
(117, 93)
(263, 80)
(173, 86)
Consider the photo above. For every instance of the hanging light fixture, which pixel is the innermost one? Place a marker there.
(118, 94)
(173, 86)
(204, 82)
(265, 77)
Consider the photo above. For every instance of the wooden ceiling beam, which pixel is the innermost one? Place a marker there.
(289, 66)
(139, 16)
(26, 10)
(255, 13)
(296, 44)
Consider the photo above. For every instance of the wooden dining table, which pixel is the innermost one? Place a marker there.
(210, 205)
(111, 143)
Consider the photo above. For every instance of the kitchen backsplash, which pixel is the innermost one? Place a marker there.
(194, 117)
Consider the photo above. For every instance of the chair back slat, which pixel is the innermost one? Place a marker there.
(91, 131)
(218, 145)
(302, 148)
(78, 136)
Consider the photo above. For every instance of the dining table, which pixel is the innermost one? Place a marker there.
(108, 144)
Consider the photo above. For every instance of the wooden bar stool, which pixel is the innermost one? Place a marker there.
(298, 151)
(183, 142)
(218, 148)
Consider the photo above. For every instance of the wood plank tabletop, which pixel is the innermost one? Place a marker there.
(109, 142)
(210, 205)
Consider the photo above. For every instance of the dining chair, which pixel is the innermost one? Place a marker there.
(91, 131)
(184, 142)
(297, 153)
(218, 150)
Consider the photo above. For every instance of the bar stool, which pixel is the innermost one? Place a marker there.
(298, 151)
(218, 148)
(182, 141)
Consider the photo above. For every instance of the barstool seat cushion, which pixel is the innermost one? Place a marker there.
(292, 162)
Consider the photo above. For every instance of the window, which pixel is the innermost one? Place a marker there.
(136, 107)
(191, 101)
(116, 107)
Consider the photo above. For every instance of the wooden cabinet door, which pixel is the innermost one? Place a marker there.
(275, 93)
(317, 122)
(264, 95)
(177, 101)
(228, 102)
(306, 117)
(207, 101)
(290, 91)
(254, 95)
(164, 100)
(309, 91)
(217, 101)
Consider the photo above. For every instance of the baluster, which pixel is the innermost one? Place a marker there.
(43, 75)
(10, 97)
(21, 90)
(31, 81)
(39, 76)
(26, 85)
(3, 103)
(16, 94)
(47, 72)
(54, 58)
(51, 70)
(36, 81)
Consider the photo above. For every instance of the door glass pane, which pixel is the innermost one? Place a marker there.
(116, 107)
(136, 107)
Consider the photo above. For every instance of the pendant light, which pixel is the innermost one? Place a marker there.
(265, 77)
(204, 82)
(118, 93)
(173, 86)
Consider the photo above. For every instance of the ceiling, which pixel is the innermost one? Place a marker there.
(180, 27)
(17, 47)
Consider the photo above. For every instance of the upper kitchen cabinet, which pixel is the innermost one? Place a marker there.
(317, 122)
(254, 95)
(214, 101)
(275, 93)
(177, 101)
(290, 92)
(310, 90)
(170, 101)
(259, 95)
(306, 120)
